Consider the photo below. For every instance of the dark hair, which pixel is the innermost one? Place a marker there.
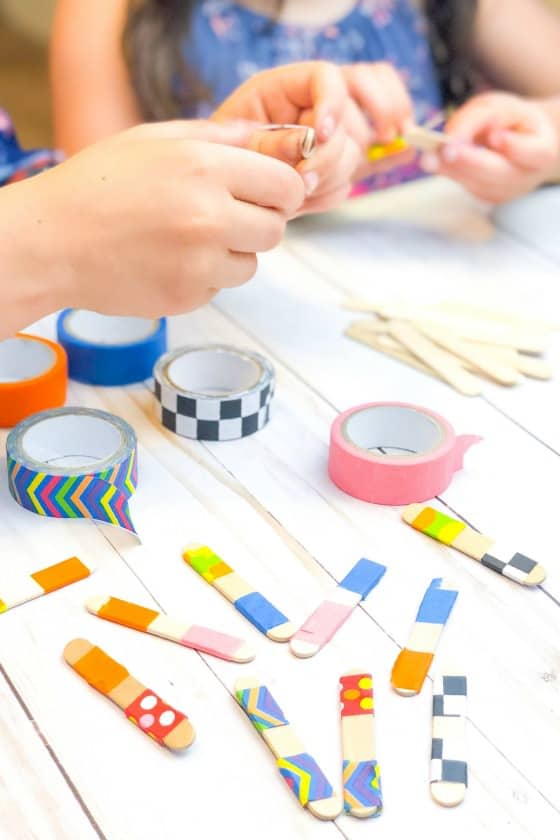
(451, 27)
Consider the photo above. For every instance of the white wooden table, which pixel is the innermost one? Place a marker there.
(71, 768)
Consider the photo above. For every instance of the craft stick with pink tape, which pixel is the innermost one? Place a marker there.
(27, 587)
(329, 617)
(157, 624)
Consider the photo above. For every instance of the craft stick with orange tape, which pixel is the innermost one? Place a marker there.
(19, 590)
(142, 706)
(158, 624)
(33, 377)
(413, 662)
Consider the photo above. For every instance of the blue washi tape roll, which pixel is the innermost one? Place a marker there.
(110, 349)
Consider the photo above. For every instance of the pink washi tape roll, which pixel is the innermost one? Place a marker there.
(395, 453)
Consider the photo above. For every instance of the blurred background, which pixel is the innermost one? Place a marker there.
(24, 86)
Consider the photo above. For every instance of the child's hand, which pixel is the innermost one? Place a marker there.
(380, 93)
(505, 147)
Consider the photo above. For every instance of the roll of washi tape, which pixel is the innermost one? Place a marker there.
(360, 770)
(108, 349)
(214, 393)
(33, 377)
(394, 453)
(448, 768)
(28, 587)
(74, 463)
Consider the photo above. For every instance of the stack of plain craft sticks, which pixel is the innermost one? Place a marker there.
(459, 343)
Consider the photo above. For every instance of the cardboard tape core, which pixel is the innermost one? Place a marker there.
(71, 441)
(213, 372)
(108, 329)
(393, 430)
(21, 359)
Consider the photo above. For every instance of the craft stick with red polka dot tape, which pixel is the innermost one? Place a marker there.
(142, 706)
(192, 636)
(25, 588)
(360, 770)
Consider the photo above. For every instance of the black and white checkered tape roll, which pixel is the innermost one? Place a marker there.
(214, 392)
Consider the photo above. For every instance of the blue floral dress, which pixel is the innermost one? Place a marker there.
(16, 164)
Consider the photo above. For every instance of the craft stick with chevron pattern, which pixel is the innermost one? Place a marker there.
(413, 662)
(329, 617)
(299, 770)
(448, 531)
(360, 770)
(27, 587)
(142, 706)
(448, 768)
(251, 604)
(158, 624)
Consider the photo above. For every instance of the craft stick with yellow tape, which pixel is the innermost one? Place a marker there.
(251, 604)
(413, 662)
(417, 137)
(158, 624)
(360, 770)
(452, 532)
(142, 706)
(27, 587)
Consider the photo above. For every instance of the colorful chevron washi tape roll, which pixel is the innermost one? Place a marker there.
(413, 662)
(299, 770)
(23, 588)
(452, 532)
(74, 463)
(251, 604)
(322, 624)
(360, 770)
(448, 768)
(214, 393)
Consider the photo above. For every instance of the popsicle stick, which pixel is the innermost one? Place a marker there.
(487, 313)
(413, 662)
(329, 617)
(489, 333)
(425, 139)
(448, 767)
(452, 532)
(360, 770)
(157, 624)
(27, 587)
(299, 770)
(142, 706)
(251, 604)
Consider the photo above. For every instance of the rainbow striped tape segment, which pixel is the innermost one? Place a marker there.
(448, 770)
(142, 706)
(299, 770)
(413, 662)
(192, 636)
(452, 532)
(360, 770)
(251, 604)
(25, 588)
(74, 463)
(321, 625)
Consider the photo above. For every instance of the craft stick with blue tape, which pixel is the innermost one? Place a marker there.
(448, 769)
(413, 662)
(299, 770)
(360, 770)
(329, 617)
(251, 604)
(27, 587)
(456, 534)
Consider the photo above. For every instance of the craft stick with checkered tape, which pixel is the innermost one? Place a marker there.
(456, 534)
(360, 770)
(27, 587)
(299, 770)
(142, 706)
(194, 636)
(329, 617)
(413, 662)
(448, 768)
(251, 604)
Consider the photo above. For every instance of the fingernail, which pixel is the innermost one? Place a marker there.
(429, 162)
(327, 127)
(311, 181)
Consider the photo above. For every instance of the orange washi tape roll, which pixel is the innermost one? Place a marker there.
(33, 377)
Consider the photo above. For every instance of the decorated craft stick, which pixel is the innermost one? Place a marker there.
(448, 769)
(329, 617)
(157, 624)
(452, 532)
(251, 604)
(418, 137)
(141, 705)
(413, 662)
(28, 587)
(360, 770)
(299, 770)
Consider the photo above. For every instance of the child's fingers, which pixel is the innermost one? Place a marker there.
(381, 94)
(529, 151)
(333, 165)
(483, 172)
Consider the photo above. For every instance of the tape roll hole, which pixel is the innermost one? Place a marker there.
(71, 441)
(94, 328)
(22, 359)
(393, 430)
(213, 373)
